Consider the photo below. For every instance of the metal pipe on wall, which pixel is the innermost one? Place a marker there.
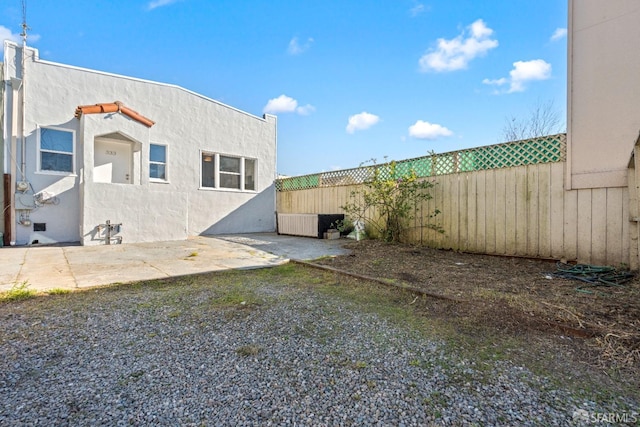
(23, 137)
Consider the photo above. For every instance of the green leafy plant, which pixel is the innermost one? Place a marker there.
(344, 226)
(388, 200)
(18, 292)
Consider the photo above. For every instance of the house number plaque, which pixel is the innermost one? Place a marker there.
(111, 153)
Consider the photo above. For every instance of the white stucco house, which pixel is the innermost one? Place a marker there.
(82, 147)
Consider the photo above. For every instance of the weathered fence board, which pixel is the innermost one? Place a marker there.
(599, 223)
(481, 210)
(613, 226)
(544, 211)
(584, 223)
(570, 228)
(532, 224)
(522, 216)
(556, 194)
(519, 211)
(463, 197)
(500, 211)
(472, 208)
(510, 218)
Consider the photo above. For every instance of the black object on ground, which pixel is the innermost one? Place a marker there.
(593, 275)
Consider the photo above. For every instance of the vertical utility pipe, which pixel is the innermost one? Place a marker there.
(15, 87)
(23, 165)
(108, 240)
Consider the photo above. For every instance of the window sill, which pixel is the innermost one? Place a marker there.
(56, 173)
(227, 190)
(159, 181)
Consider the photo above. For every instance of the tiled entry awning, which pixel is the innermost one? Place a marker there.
(114, 107)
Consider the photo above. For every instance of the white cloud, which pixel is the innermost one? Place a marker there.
(417, 9)
(455, 54)
(305, 110)
(522, 73)
(159, 3)
(496, 82)
(6, 34)
(295, 48)
(558, 34)
(426, 130)
(286, 104)
(525, 71)
(361, 121)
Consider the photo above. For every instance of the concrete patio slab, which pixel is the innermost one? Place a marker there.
(290, 247)
(44, 268)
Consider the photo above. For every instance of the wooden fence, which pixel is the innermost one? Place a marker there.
(513, 211)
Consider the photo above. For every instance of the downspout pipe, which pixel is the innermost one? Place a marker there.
(15, 89)
(23, 137)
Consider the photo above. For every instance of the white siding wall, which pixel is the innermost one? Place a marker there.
(603, 91)
(149, 211)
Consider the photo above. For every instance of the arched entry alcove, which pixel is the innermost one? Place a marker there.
(116, 159)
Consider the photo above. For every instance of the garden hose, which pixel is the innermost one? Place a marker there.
(592, 275)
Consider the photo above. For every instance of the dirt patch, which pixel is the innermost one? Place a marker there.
(513, 294)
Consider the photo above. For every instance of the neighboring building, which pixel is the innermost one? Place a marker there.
(603, 91)
(179, 165)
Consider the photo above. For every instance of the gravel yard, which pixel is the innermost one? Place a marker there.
(518, 294)
(287, 345)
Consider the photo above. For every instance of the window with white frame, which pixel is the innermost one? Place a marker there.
(250, 174)
(228, 172)
(208, 171)
(56, 150)
(158, 162)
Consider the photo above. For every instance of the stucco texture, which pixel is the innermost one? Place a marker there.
(185, 122)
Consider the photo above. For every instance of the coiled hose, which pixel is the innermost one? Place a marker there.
(592, 275)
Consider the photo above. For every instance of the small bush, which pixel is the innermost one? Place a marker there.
(389, 200)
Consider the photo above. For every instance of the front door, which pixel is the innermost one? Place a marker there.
(112, 162)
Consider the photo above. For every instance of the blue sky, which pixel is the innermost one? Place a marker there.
(349, 80)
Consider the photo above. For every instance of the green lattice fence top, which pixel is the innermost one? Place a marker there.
(547, 149)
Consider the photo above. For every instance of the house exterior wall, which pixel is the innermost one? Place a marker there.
(603, 91)
(2, 165)
(185, 122)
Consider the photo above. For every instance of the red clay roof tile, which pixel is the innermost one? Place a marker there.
(113, 108)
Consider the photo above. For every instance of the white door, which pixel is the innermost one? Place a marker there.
(112, 162)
